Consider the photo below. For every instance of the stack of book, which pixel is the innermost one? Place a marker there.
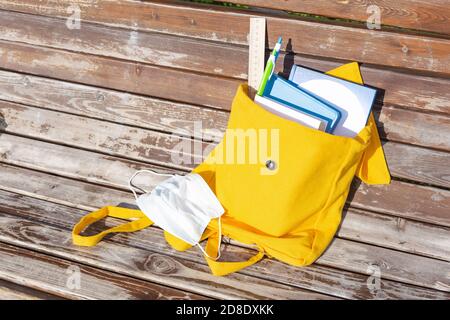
(315, 99)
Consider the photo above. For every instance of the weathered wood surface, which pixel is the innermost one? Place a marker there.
(400, 198)
(433, 130)
(135, 142)
(212, 23)
(403, 89)
(85, 108)
(146, 264)
(429, 130)
(395, 265)
(12, 291)
(114, 106)
(121, 75)
(424, 15)
(51, 274)
(397, 233)
(86, 133)
(418, 164)
(332, 281)
(151, 48)
(396, 124)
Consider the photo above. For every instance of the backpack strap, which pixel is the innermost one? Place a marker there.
(139, 221)
(222, 268)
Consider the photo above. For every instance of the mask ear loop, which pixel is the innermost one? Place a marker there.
(218, 245)
(133, 187)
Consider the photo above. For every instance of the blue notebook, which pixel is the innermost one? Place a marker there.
(289, 94)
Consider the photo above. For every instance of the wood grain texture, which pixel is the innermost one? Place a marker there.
(12, 291)
(121, 75)
(429, 130)
(393, 265)
(408, 267)
(145, 264)
(120, 107)
(397, 124)
(333, 41)
(393, 234)
(333, 281)
(399, 198)
(432, 132)
(418, 164)
(424, 15)
(102, 136)
(151, 48)
(396, 233)
(53, 275)
(404, 161)
(408, 90)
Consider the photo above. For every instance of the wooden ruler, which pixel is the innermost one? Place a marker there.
(256, 53)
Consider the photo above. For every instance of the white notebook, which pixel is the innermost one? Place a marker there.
(355, 101)
(290, 114)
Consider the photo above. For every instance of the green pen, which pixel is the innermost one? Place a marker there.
(270, 66)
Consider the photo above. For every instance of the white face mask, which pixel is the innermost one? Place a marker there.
(181, 205)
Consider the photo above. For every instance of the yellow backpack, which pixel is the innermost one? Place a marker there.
(289, 206)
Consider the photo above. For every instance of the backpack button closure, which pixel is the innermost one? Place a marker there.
(271, 165)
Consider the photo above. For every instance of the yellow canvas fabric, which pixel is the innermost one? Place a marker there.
(293, 212)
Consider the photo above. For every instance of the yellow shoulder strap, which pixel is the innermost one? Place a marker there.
(373, 168)
(140, 222)
(222, 268)
(218, 268)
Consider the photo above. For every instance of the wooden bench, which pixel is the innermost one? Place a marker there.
(82, 109)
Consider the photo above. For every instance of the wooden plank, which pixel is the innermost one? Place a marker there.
(399, 198)
(428, 130)
(402, 199)
(396, 233)
(121, 75)
(12, 291)
(418, 164)
(412, 91)
(145, 264)
(336, 282)
(98, 103)
(421, 15)
(151, 48)
(107, 137)
(393, 265)
(51, 274)
(227, 25)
